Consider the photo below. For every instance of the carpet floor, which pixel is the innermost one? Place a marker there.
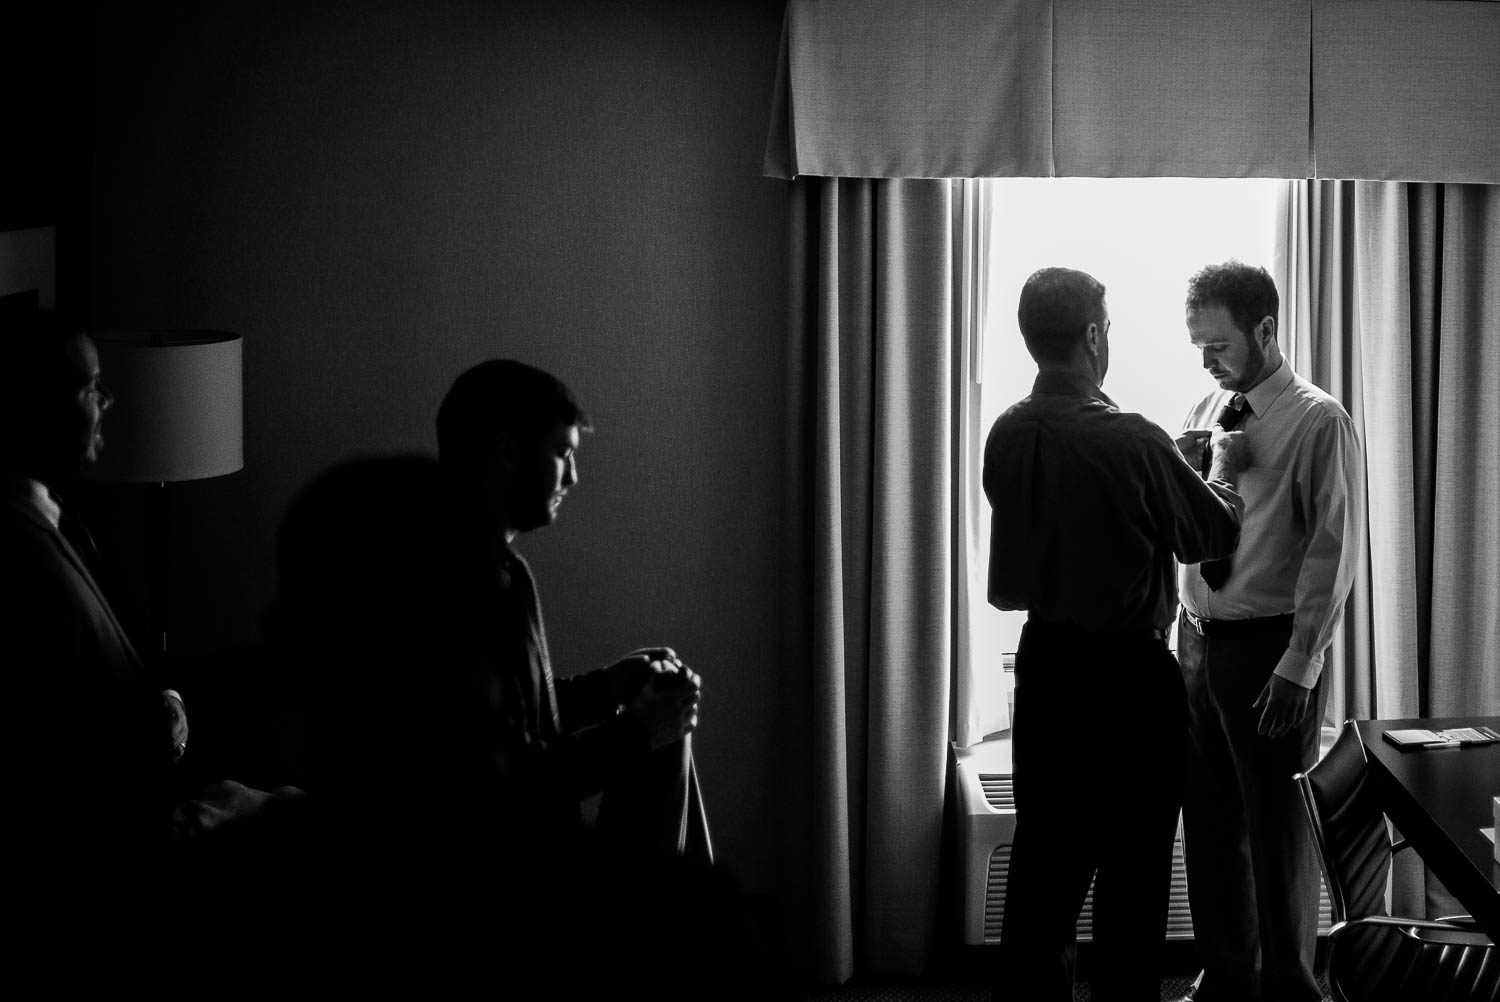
(963, 974)
(894, 989)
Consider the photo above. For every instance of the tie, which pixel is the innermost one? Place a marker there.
(1216, 572)
(1230, 415)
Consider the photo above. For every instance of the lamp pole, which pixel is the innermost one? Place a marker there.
(159, 543)
(178, 415)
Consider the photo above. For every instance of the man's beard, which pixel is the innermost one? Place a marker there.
(1255, 365)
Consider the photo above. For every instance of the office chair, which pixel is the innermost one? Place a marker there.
(1372, 956)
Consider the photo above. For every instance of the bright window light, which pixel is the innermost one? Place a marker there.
(1143, 238)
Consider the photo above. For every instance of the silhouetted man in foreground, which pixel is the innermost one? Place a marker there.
(91, 738)
(430, 839)
(109, 857)
(1090, 506)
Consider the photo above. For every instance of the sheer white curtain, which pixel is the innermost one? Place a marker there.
(980, 706)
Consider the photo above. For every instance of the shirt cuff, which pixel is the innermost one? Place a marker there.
(1228, 492)
(1303, 669)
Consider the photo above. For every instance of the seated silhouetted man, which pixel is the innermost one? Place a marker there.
(507, 438)
(508, 435)
(92, 737)
(108, 856)
(442, 833)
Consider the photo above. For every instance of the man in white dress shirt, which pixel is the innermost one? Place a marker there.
(1251, 640)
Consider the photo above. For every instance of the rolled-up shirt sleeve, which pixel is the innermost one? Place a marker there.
(1202, 519)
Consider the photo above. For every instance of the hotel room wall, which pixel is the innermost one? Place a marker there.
(378, 195)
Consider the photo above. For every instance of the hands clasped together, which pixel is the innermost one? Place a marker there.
(660, 690)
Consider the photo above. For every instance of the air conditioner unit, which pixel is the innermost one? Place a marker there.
(987, 829)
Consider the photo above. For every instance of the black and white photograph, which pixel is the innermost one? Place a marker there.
(807, 500)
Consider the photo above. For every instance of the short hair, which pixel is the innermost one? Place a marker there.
(498, 400)
(1057, 306)
(1246, 291)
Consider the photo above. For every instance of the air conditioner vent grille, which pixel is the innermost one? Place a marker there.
(998, 791)
(1179, 917)
(994, 893)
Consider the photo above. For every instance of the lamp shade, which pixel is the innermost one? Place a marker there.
(178, 410)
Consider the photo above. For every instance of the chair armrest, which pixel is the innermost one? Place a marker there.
(1458, 921)
(1392, 922)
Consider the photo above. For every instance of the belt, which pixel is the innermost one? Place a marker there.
(1254, 626)
(1068, 629)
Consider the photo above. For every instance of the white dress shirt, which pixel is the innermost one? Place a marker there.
(31, 495)
(1304, 525)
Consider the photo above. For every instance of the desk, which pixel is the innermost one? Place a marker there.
(1438, 799)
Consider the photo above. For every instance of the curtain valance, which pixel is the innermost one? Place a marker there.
(1381, 89)
(1406, 91)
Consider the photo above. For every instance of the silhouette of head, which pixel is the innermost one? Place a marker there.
(52, 396)
(507, 434)
(1064, 320)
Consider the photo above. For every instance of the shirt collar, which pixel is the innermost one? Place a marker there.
(32, 497)
(1264, 394)
(1068, 384)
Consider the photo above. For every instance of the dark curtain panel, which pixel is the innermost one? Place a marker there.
(869, 593)
(1393, 305)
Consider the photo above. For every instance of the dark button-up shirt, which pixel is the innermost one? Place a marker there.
(1090, 506)
(553, 740)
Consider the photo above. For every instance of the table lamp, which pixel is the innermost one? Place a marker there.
(177, 415)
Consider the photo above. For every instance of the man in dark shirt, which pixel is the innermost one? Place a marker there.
(1090, 506)
(508, 434)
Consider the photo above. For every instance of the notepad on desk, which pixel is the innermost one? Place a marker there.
(1453, 737)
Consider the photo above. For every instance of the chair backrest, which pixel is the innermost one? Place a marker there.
(1349, 828)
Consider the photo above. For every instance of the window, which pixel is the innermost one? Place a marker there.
(1143, 238)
